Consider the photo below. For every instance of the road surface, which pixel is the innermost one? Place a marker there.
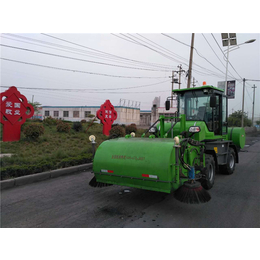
(69, 202)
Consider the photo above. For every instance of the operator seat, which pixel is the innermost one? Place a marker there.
(201, 113)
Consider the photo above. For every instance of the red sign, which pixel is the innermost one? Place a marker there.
(14, 111)
(107, 114)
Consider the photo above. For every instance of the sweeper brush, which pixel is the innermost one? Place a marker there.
(93, 183)
(192, 193)
(180, 156)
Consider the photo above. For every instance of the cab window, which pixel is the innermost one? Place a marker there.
(196, 106)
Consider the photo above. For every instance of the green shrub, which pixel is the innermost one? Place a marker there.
(50, 121)
(34, 120)
(63, 127)
(33, 131)
(77, 126)
(72, 161)
(117, 131)
(15, 171)
(83, 121)
(130, 128)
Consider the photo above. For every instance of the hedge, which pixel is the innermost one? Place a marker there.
(15, 171)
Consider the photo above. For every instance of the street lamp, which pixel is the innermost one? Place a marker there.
(250, 41)
(237, 46)
(227, 40)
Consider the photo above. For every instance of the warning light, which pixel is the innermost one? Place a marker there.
(204, 83)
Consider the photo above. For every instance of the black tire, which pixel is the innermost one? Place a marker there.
(208, 181)
(229, 168)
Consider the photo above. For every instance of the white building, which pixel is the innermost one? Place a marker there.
(158, 111)
(145, 117)
(125, 115)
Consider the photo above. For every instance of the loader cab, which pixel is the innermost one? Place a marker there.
(206, 104)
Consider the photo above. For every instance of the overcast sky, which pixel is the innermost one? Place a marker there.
(85, 69)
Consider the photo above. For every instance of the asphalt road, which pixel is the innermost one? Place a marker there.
(69, 202)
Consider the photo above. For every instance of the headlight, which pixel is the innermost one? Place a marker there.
(194, 129)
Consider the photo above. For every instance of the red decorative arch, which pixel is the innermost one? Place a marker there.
(14, 111)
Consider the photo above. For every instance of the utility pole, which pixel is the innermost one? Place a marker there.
(193, 83)
(180, 71)
(243, 99)
(191, 56)
(254, 87)
(172, 89)
(179, 75)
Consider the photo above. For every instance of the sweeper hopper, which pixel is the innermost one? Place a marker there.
(180, 156)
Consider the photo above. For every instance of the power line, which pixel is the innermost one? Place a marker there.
(199, 72)
(253, 79)
(84, 53)
(88, 89)
(225, 56)
(105, 92)
(66, 57)
(95, 53)
(176, 40)
(155, 45)
(213, 50)
(178, 56)
(128, 59)
(73, 70)
(216, 54)
(85, 47)
(213, 73)
(144, 45)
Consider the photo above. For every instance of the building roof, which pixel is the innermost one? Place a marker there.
(87, 107)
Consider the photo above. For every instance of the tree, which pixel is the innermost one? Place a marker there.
(36, 105)
(235, 119)
(258, 122)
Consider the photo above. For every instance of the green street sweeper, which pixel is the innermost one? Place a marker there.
(180, 156)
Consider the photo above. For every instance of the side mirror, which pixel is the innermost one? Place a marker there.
(213, 101)
(167, 104)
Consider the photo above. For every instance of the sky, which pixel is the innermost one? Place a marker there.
(88, 68)
(58, 68)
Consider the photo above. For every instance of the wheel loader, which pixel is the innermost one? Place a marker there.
(179, 154)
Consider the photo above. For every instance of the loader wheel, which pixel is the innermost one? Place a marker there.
(229, 168)
(208, 182)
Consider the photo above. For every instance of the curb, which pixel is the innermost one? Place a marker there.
(6, 184)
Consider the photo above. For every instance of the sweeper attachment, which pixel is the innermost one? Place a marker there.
(180, 156)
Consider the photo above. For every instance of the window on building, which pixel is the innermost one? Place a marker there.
(75, 113)
(65, 113)
(56, 113)
(87, 113)
(47, 113)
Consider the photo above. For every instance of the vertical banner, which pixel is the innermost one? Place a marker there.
(231, 89)
(231, 86)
